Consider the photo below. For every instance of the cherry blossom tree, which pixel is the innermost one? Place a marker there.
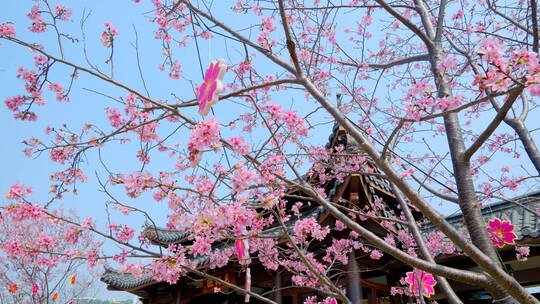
(41, 257)
(437, 95)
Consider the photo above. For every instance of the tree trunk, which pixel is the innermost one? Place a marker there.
(468, 201)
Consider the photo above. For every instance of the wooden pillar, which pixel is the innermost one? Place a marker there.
(354, 289)
(372, 296)
(277, 288)
(178, 295)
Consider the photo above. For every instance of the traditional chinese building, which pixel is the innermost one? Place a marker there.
(367, 280)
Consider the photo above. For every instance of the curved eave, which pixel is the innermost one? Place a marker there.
(125, 281)
(164, 236)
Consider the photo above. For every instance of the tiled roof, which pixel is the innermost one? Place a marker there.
(165, 236)
(340, 136)
(525, 223)
(278, 231)
(127, 281)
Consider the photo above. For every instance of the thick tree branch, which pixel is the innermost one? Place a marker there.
(406, 22)
(420, 242)
(534, 19)
(426, 20)
(485, 262)
(493, 125)
(440, 20)
(245, 40)
(383, 66)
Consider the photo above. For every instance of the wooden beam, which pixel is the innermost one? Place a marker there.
(277, 288)
(341, 190)
(367, 194)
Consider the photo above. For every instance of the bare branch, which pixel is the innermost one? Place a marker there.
(378, 66)
(438, 194)
(289, 41)
(493, 125)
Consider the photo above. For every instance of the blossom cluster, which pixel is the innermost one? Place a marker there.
(7, 30)
(289, 118)
(136, 183)
(107, 36)
(204, 135)
(38, 24)
(33, 80)
(18, 191)
(503, 70)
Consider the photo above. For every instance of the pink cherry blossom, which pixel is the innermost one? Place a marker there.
(492, 50)
(201, 246)
(122, 233)
(107, 36)
(136, 183)
(407, 173)
(24, 211)
(7, 29)
(115, 117)
(376, 254)
(303, 228)
(203, 136)
(522, 253)
(239, 145)
(38, 24)
(18, 191)
(62, 12)
(59, 90)
(243, 178)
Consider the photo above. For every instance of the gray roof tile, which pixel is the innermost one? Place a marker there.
(127, 281)
(165, 236)
(526, 224)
